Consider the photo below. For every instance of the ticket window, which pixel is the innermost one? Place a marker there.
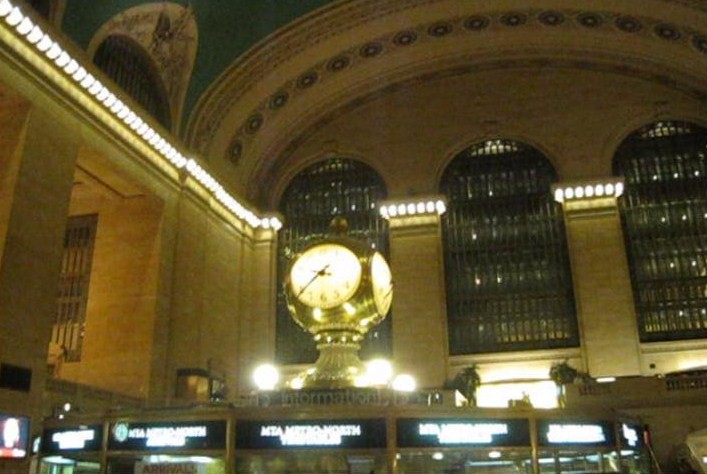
(311, 462)
(165, 464)
(466, 461)
(560, 461)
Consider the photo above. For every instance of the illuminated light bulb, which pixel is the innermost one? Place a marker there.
(392, 210)
(142, 129)
(109, 100)
(130, 118)
(579, 192)
(569, 193)
(123, 112)
(15, 17)
(379, 371)
(609, 189)
(102, 95)
(71, 67)
(494, 454)
(80, 74)
(349, 308)
(430, 206)
(599, 189)
(155, 138)
(438, 456)
(63, 59)
(25, 26)
(402, 209)
(420, 207)
(317, 314)
(5, 8)
(137, 124)
(589, 190)
(411, 208)
(266, 376)
(559, 195)
(619, 189)
(297, 383)
(404, 383)
(35, 35)
(441, 207)
(87, 81)
(149, 134)
(95, 88)
(45, 43)
(54, 52)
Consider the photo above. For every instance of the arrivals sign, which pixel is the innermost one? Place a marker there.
(169, 468)
(73, 438)
(564, 432)
(441, 432)
(127, 436)
(343, 433)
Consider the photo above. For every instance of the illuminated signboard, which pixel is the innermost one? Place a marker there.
(14, 436)
(345, 433)
(167, 436)
(73, 438)
(564, 432)
(630, 436)
(439, 432)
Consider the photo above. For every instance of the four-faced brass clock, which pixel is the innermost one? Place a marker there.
(338, 283)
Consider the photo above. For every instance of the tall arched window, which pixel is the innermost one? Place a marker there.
(333, 187)
(124, 61)
(507, 270)
(664, 215)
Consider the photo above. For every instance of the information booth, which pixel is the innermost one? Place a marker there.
(71, 449)
(195, 443)
(345, 436)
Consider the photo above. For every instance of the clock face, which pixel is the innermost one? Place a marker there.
(382, 284)
(325, 276)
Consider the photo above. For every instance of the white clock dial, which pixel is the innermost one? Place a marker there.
(325, 276)
(382, 284)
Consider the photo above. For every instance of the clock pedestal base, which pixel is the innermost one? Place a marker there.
(338, 366)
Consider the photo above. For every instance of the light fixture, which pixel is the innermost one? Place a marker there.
(379, 372)
(404, 383)
(266, 377)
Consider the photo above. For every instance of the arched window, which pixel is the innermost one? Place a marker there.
(507, 270)
(333, 187)
(124, 61)
(664, 215)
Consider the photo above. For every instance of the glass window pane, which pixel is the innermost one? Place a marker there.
(507, 269)
(664, 216)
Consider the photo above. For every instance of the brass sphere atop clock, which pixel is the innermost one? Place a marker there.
(337, 289)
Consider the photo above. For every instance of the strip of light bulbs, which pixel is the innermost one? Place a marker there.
(413, 208)
(589, 191)
(63, 61)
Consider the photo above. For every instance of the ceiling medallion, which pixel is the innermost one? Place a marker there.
(405, 38)
(590, 20)
(628, 24)
(370, 50)
(308, 79)
(476, 23)
(667, 32)
(513, 19)
(551, 18)
(440, 29)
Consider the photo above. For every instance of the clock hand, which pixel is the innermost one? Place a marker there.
(321, 272)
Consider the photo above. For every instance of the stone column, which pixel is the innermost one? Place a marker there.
(419, 317)
(601, 278)
(37, 163)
